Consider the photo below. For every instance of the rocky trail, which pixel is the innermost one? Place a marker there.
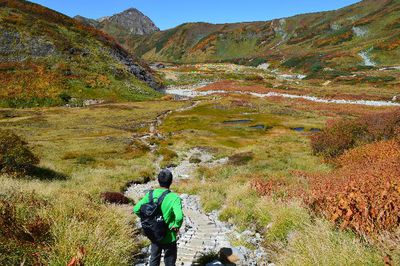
(201, 232)
(193, 92)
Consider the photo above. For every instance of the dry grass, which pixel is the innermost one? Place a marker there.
(88, 145)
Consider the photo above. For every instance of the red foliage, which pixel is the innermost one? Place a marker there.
(78, 260)
(364, 192)
(115, 197)
(268, 187)
(342, 135)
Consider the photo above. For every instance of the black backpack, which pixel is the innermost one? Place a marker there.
(152, 220)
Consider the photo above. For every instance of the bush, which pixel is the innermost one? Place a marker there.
(15, 155)
(337, 137)
(363, 193)
(65, 97)
(343, 135)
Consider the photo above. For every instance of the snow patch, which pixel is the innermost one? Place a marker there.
(366, 58)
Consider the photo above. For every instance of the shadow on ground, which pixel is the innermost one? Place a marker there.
(43, 173)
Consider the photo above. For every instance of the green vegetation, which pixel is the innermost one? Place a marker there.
(50, 59)
(280, 156)
(47, 217)
(307, 42)
(15, 155)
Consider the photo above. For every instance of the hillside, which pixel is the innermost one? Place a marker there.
(47, 58)
(124, 25)
(366, 33)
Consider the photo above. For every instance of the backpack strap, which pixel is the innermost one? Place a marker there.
(161, 198)
(151, 198)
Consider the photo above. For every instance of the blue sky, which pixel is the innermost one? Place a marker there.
(170, 13)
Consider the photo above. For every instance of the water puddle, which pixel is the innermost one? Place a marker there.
(262, 127)
(239, 121)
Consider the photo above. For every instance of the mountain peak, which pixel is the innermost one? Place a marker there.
(133, 21)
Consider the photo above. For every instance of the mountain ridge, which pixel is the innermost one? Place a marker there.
(47, 58)
(339, 35)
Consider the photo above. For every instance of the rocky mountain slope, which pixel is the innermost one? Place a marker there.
(124, 25)
(47, 58)
(363, 34)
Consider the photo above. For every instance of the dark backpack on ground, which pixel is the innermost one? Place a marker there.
(152, 220)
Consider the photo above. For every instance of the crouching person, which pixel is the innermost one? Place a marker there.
(161, 216)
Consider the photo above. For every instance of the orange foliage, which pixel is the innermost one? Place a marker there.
(389, 45)
(268, 187)
(205, 43)
(335, 39)
(364, 192)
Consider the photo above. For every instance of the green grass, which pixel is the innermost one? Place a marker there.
(286, 224)
(321, 244)
(80, 63)
(88, 146)
(93, 148)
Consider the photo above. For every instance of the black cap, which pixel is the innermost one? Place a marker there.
(165, 178)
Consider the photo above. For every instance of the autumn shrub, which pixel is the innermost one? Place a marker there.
(364, 192)
(343, 135)
(337, 137)
(335, 38)
(15, 155)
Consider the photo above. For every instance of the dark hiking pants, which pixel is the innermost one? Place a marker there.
(170, 254)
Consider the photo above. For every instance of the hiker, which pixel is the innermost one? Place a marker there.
(161, 216)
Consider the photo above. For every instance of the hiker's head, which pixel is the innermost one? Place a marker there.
(165, 178)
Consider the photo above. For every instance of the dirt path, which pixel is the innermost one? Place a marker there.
(201, 232)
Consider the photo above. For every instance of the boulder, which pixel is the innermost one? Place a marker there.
(231, 255)
(264, 66)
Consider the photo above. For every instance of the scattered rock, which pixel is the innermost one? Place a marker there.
(231, 255)
(129, 184)
(195, 158)
(92, 102)
(264, 66)
(139, 71)
(115, 198)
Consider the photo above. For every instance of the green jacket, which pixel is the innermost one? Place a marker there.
(171, 208)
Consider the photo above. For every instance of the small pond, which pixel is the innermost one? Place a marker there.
(264, 127)
(239, 121)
